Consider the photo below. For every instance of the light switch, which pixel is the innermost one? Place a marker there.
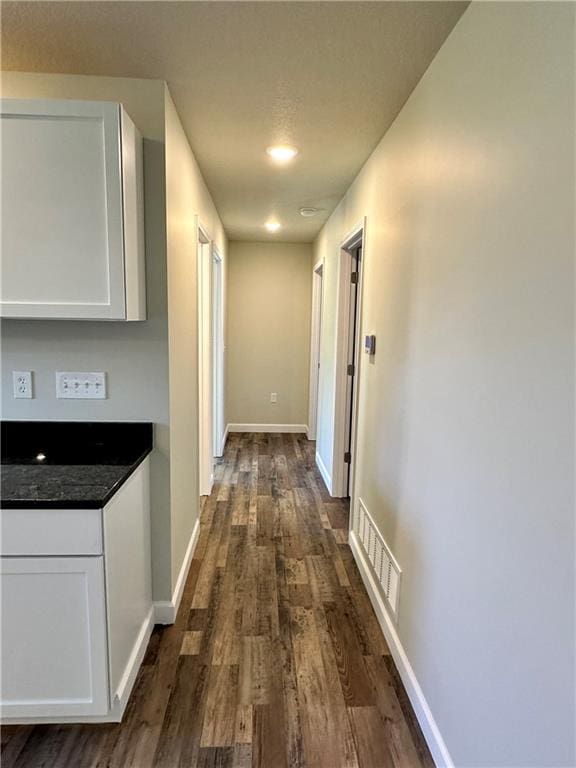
(370, 345)
(80, 386)
(22, 381)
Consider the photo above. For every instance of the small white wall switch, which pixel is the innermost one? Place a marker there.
(370, 345)
(22, 381)
(273, 397)
(80, 386)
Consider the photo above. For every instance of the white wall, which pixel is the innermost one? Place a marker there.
(269, 302)
(466, 424)
(188, 201)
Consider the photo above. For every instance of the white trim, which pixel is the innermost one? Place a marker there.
(205, 426)
(217, 350)
(165, 610)
(224, 439)
(355, 237)
(128, 679)
(422, 711)
(315, 338)
(340, 374)
(181, 580)
(324, 472)
(267, 428)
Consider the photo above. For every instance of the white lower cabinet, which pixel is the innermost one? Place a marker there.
(53, 637)
(76, 607)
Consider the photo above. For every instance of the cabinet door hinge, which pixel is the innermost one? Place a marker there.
(347, 457)
(351, 369)
(354, 278)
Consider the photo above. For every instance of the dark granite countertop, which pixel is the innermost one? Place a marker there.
(77, 465)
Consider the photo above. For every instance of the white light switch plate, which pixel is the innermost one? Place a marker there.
(80, 386)
(22, 381)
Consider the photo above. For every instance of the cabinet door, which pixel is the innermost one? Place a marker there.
(53, 632)
(62, 227)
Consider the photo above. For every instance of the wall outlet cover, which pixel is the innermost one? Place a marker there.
(22, 382)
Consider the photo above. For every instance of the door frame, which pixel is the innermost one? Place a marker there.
(217, 340)
(205, 450)
(356, 237)
(315, 340)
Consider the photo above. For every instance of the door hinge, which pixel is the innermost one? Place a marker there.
(354, 278)
(347, 457)
(350, 369)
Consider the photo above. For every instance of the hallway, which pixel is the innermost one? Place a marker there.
(276, 658)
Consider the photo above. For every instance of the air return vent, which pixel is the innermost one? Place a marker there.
(386, 569)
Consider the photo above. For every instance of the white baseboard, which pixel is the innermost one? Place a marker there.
(324, 472)
(165, 610)
(224, 439)
(293, 428)
(219, 452)
(126, 684)
(422, 711)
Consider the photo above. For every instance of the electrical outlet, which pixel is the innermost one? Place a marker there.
(22, 381)
(80, 386)
(273, 397)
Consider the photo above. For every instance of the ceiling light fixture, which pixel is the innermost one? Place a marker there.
(272, 226)
(308, 212)
(282, 153)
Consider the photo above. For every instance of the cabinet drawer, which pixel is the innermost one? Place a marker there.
(51, 532)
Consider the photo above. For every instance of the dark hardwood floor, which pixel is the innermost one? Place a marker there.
(276, 658)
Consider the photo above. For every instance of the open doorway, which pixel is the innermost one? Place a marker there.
(217, 338)
(316, 335)
(347, 361)
(205, 364)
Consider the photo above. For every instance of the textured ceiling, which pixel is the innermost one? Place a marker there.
(329, 77)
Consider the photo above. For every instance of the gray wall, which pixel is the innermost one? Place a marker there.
(152, 366)
(466, 424)
(134, 355)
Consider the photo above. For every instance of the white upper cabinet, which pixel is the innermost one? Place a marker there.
(72, 211)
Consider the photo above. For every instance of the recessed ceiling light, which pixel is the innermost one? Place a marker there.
(307, 212)
(282, 153)
(272, 226)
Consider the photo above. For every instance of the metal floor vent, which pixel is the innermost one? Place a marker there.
(386, 569)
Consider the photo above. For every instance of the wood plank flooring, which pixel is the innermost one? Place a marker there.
(276, 659)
